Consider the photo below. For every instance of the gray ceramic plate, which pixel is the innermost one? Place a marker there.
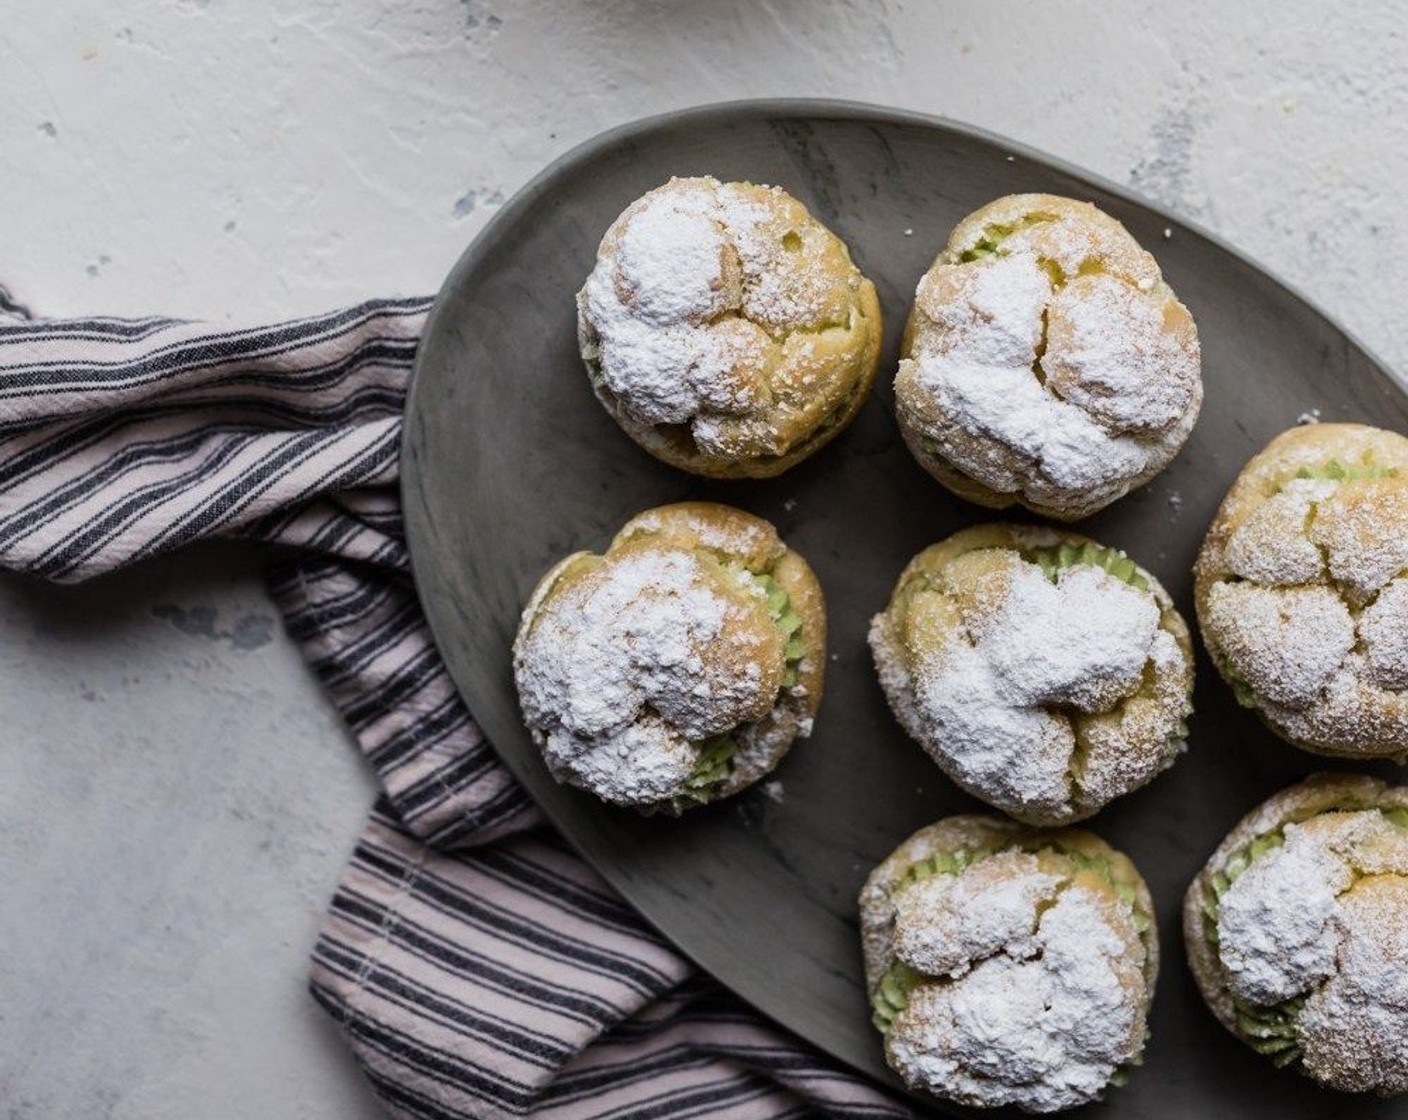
(510, 464)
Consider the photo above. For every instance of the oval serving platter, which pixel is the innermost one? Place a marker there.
(510, 463)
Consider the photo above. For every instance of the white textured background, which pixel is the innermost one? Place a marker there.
(175, 797)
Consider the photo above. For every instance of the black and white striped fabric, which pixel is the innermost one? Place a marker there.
(476, 966)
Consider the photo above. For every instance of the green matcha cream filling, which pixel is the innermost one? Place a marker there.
(1118, 564)
(1243, 692)
(1335, 471)
(995, 233)
(716, 755)
(986, 246)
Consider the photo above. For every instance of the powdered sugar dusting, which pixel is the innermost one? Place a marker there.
(687, 316)
(994, 703)
(1363, 528)
(1354, 1030)
(1383, 627)
(1277, 925)
(991, 315)
(1109, 352)
(1326, 916)
(946, 922)
(733, 536)
(1351, 714)
(1018, 756)
(1081, 641)
(623, 670)
(1272, 547)
(671, 259)
(1041, 374)
(1301, 587)
(1284, 642)
(1044, 1001)
(651, 304)
(775, 295)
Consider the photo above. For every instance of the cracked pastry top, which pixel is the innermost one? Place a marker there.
(1297, 932)
(1007, 965)
(1046, 363)
(1044, 673)
(726, 329)
(678, 667)
(1302, 589)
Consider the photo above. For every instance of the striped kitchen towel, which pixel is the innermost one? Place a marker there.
(477, 967)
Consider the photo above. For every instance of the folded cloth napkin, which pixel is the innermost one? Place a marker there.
(477, 967)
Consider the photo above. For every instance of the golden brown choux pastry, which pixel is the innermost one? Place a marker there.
(1046, 363)
(1044, 673)
(1302, 589)
(1008, 965)
(1297, 931)
(678, 667)
(726, 329)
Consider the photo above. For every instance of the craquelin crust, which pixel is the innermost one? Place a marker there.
(819, 366)
(1146, 741)
(1324, 545)
(991, 834)
(952, 451)
(1316, 795)
(731, 539)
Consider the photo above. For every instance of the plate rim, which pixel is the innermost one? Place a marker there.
(838, 109)
(796, 109)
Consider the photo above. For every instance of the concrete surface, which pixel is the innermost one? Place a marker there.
(174, 808)
(176, 800)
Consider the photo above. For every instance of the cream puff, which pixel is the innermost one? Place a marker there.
(1009, 966)
(1302, 589)
(678, 667)
(1044, 673)
(1297, 932)
(726, 330)
(1046, 362)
